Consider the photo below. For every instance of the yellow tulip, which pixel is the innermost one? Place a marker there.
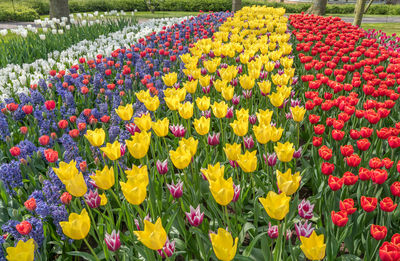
(276, 133)
(204, 80)
(186, 110)
(276, 205)
(103, 199)
(140, 175)
(125, 112)
(227, 92)
(105, 178)
(269, 66)
(66, 171)
(212, 65)
(153, 236)
(190, 144)
(219, 84)
(287, 182)
(248, 161)
(264, 116)
(78, 225)
(246, 82)
(112, 151)
(240, 127)
(139, 145)
(143, 95)
(76, 186)
(181, 93)
(223, 245)
(96, 137)
(202, 125)
(220, 109)
(276, 99)
(143, 122)
(313, 247)
(161, 127)
(284, 152)
(203, 103)
(265, 86)
(222, 190)
(298, 113)
(213, 172)
(172, 102)
(242, 114)
(152, 103)
(232, 151)
(23, 251)
(170, 79)
(190, 86)
(180, 157)
(262, 133)
(134, 191)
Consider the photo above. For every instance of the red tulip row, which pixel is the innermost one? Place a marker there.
(351, 86)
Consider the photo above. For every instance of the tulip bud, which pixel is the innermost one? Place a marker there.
(66, 198)
(297, 153)
(113, 241)
(248, 142)
(270, 159)
(272, 231)
(15, 151)
(247, 94)
(93, 199)
(236, 193)
(176, 190)
(162, 167)
(168, 248)
(23, 130)
(236, 99)
(24, 228)
(303, 229)
(30, 204)
(229, 113)
(195, 217)
(213, 139)
(253, 119)
(305, 209)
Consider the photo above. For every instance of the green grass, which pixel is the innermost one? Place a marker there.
(388, 28)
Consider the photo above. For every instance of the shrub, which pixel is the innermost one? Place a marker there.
(24, 14)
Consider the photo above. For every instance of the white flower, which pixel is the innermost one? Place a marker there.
(54, 31)
(42, 37)
(3, 32)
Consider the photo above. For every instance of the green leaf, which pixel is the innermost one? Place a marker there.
(249, 249)
(84, 255)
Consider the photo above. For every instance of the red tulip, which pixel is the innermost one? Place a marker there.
(379, 176)
(335, 183)
(327, 168)
(387, 205)
(368, 203)
(339, 218)
(378, 232)
(389, 252)
(347, 205)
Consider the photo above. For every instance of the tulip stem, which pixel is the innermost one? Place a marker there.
(91, 249)
(227, 217)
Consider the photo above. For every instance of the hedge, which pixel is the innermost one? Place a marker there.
(28, 10)
(21, 13)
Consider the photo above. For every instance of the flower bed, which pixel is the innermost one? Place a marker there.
(191, 144)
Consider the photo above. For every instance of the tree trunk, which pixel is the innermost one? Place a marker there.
(59, 8)
(236, 5)
(318, 7)
(359, 11)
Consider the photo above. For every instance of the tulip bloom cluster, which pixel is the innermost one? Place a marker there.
(350, 84)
